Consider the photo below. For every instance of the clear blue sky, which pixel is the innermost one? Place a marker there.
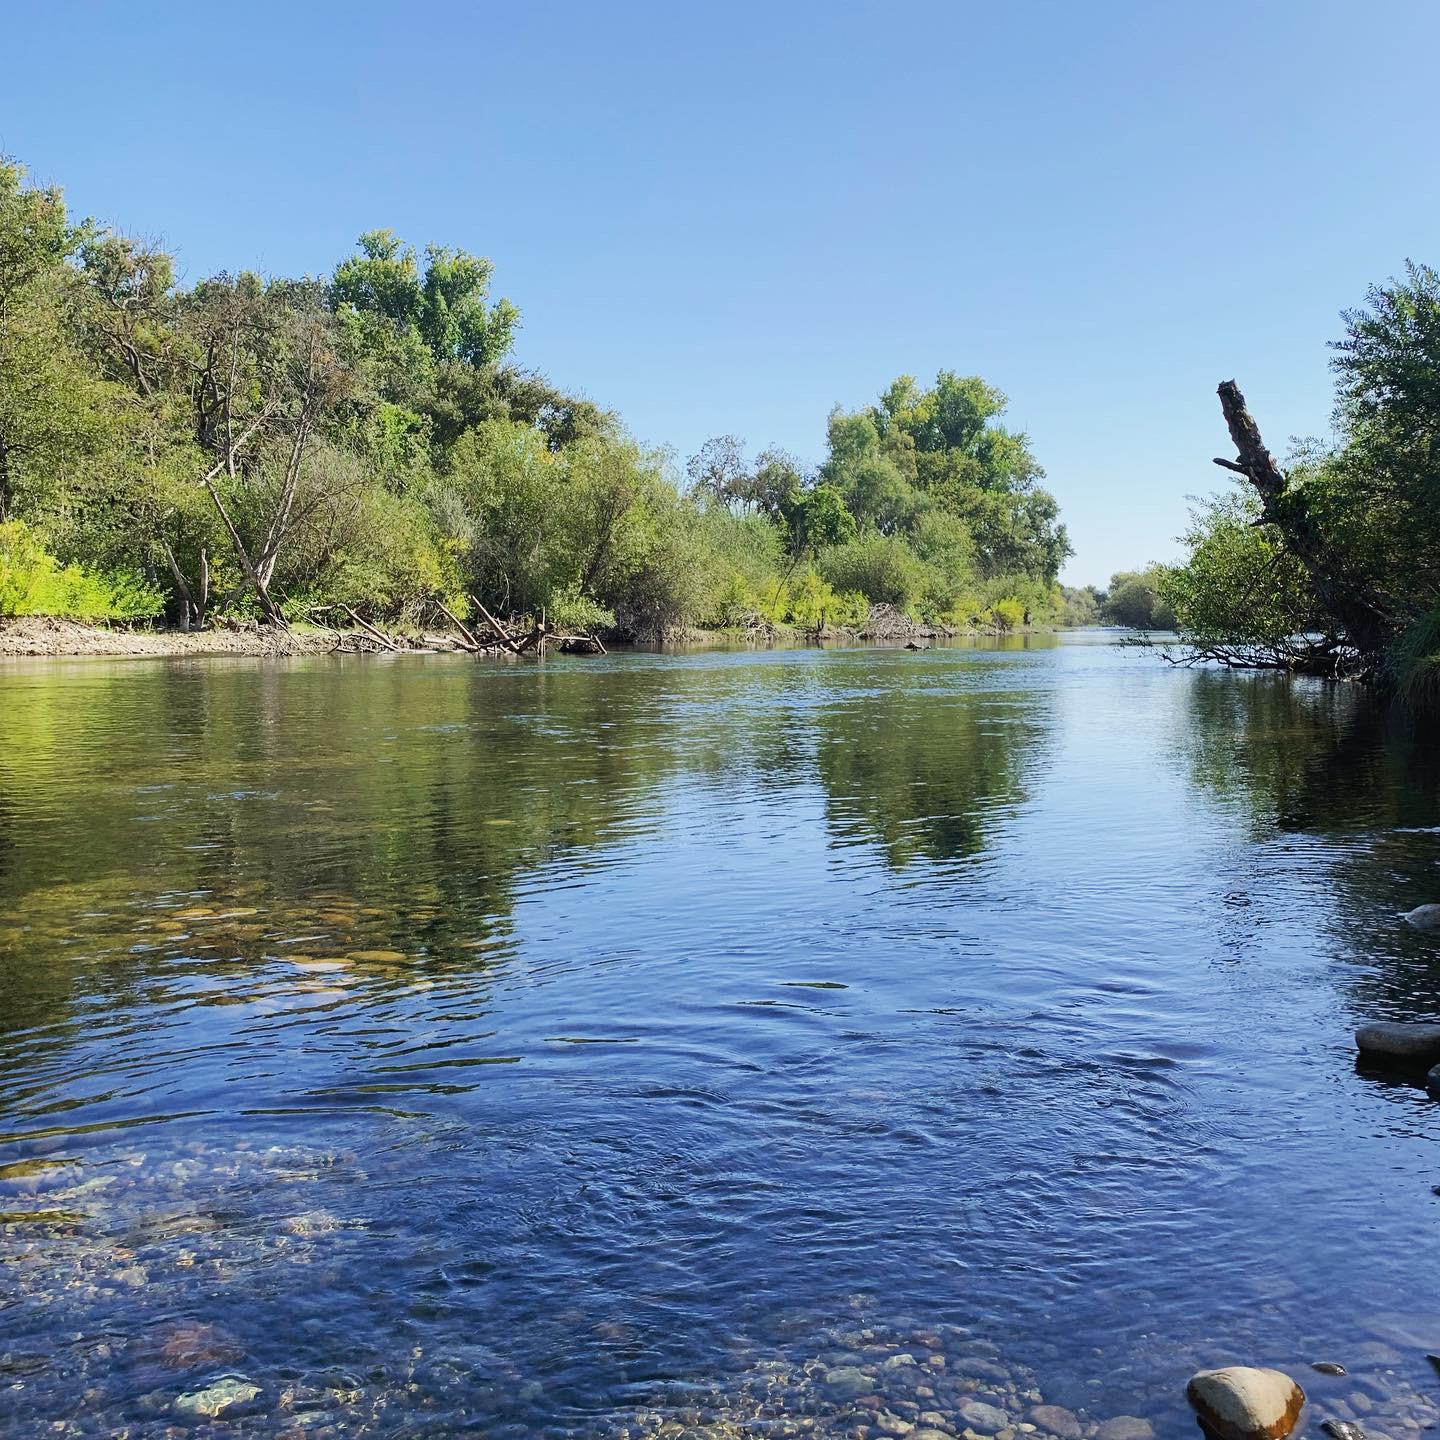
(728, 218)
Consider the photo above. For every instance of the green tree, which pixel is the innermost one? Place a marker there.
(1333, 566)
(1137, 600)
(818, 519)
(944, 449)
(445, 305)
(51, 410)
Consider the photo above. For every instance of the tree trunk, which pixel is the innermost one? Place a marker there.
(1367, 627)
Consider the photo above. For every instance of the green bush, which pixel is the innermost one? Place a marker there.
(882, 568)
(1008, 614)
(577, 614)
(1414, 666)
(34, 582)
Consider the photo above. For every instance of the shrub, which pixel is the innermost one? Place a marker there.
(1414, 665)
(34, 582)
(1009, 614)
(575, 613)
(883, 568)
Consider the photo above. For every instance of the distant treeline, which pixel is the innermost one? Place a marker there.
(280, 448)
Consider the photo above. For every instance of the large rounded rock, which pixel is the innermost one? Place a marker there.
(847, 1382)
(982, 1418)
(1399, 1043)
(1425, 917)
(1057, 1420)
(232, 1392)
(1241, 1403)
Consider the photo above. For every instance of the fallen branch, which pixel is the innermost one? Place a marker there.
(501, 634)
(454, 619)
(379, 635)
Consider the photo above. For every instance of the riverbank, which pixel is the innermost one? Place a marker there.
(39, 636)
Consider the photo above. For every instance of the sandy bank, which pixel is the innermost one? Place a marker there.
(41, 635)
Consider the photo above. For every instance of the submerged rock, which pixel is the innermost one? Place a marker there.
(1399, 1042)
(1327, 1367)
(1424, 917)
(1432, 1088)
(189, 1344)
(979, 1368)
(846, 1382)
(1241, 1403)
(216, 1399)
(1057, 1420)
(982, 1418)
(1126, 1427)
(889, 1423)
(1342, 1430)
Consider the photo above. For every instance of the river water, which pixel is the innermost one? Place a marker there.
(662, 1044)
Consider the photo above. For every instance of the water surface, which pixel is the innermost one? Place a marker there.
(550, 1049)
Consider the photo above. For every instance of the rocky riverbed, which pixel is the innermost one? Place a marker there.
(129, 1312)
(171, 1286)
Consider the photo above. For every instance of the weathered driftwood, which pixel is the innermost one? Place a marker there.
(501, 634)
(369, 629)
(470, 642)
(1367, 627)
(540, 634)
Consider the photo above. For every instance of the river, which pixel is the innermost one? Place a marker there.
(713, 1043)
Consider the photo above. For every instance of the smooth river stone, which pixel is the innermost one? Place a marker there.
(1126, 1427)
(1342, 1430)
(847, 1382)
(214, 1400)
(982, 1418)
(1396, 1040)
(1057, 1420)
(1241, 1403)
(1425, 917)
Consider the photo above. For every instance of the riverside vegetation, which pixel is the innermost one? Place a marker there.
(1330, 567)
(277, 449)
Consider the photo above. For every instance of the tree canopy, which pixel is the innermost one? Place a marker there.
(280, 448)
(1332, 566)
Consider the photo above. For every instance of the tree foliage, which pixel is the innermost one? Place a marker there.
(276, 447)
(1275, 581)
(1136, 600)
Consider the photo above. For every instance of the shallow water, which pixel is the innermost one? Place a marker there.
(611, 1044)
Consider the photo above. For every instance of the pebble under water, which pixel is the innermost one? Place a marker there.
(797, 1043)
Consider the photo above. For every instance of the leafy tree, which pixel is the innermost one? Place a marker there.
(943, 449)
(51, 410)
(718, 471)
(1079, 606)
(819, 519)
(1136, 600)
(1333, 567)
(445, 305)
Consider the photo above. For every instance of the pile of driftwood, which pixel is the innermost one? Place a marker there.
(534, 640)
(493, 639)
